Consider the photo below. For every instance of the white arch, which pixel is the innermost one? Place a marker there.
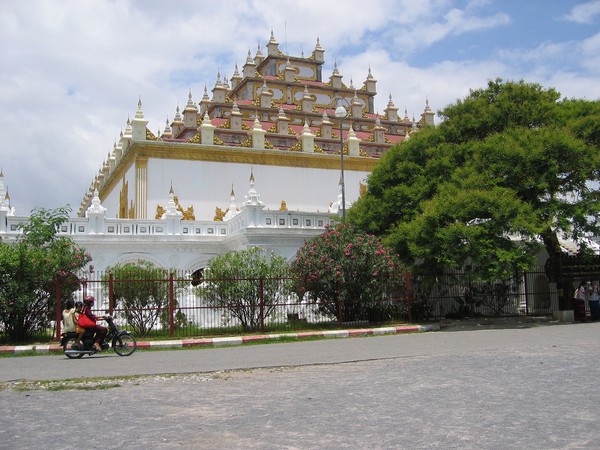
(136, 256)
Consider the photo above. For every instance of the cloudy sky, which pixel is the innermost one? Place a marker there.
(72, 70)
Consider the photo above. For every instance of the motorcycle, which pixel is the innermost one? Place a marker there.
(122, 341)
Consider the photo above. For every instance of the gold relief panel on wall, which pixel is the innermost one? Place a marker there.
(123, 199)
(187, 214)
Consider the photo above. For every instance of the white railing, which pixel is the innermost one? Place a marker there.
(78, 226)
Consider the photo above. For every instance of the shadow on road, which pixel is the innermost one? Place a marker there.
(488, 323)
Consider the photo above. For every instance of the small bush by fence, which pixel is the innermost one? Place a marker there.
(177, 305)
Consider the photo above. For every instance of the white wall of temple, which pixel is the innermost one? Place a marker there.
(206, 185)
(111, 202)
(174, 253)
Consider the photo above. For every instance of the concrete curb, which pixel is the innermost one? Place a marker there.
(241, 340)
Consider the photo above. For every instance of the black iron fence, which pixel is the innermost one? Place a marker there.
(179, 305)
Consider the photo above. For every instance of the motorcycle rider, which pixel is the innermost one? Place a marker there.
(100, 331)
(79, 330)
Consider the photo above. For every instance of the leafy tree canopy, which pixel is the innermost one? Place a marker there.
(509, 161)
(30, 270)
(248, 284)
(141, 292)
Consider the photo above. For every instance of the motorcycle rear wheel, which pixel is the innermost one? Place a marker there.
(72, 344)
(125, 345)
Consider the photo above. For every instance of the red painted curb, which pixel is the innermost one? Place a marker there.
(210, 342)
(360, 332)
(258, 337)
(308, 334)
(407, 329)
(197, 342)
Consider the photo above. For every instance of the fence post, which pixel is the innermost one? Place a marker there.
(526, 291)
(408, 296)
(111, 294)
(58, 310)
(262, 304)
(171, 305)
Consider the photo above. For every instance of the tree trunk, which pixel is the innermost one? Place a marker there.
(563, 285)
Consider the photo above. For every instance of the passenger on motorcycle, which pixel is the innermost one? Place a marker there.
(69, 316)
(88, 303)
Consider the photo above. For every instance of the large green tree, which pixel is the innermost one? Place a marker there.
(30, 270)
(511, 162)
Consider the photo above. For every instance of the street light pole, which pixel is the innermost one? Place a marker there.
(341, 113)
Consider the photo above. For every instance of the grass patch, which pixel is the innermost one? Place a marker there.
(89, 384)
(23, 353)
(69, 384)
(84, 388)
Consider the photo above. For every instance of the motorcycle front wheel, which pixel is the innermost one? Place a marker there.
(71, 344)
(124, 345)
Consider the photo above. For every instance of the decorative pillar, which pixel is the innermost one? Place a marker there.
(371, 83)
(177, 126)
(266, 96)
(283, 122)
(253, 206)
(356, 107)
(307, 100)
(378, 132)
(258, 135)
(207, 131)
(353, 143)
(289, 73)
(391, 111)
(326, 126)
(138, 124)
(235, 118)
(141, 188)
(172, 215)
(428, 114)
(308, 139)
(190, 113)
(96, 215)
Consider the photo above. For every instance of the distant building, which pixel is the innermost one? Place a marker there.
(275, 116)
(170, 196)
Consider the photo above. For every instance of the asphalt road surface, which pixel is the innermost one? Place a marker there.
(494, 389)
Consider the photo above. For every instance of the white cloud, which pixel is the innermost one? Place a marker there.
(584, 12)
(433, 27)
(72, 71)
(590, 54)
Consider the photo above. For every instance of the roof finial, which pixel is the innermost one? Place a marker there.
(318, 46)
(139, 114)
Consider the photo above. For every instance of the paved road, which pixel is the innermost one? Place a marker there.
(517, 388)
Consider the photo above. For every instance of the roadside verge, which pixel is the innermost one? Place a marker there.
(240, 340)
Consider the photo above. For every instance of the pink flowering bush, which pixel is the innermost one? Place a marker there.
(30, 269)
(348, 265)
